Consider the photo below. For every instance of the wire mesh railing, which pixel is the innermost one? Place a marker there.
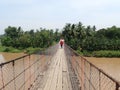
(90, 77)
(24, 73)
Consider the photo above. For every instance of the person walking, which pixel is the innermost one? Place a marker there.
(61, 43)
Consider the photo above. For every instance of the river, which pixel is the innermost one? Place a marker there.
(109, 65)
(4, 56)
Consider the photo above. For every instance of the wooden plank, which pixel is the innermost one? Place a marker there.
(44, 80)
(57, 76)
(50, 77)
(59, 82)
(66, 79)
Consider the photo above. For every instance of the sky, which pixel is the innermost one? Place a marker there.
(52, 14)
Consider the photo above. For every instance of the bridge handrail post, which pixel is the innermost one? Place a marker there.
(2, 78)
(117, 86)
(101, 76)
(13, 64)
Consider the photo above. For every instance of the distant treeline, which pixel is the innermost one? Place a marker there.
(88, 38)
(18, 38)
(78, 36)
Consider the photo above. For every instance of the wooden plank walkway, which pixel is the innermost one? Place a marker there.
(57, 75)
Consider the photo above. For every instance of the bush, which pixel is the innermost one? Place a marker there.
(86, 53)
(11, 49)
(31, 50)
(104, 53)
(2, 48)
(101, 53)
(7, 49)
(78, 51)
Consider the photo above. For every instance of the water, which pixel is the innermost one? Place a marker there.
(20, 71)
(4, 56)
(110, 65)
(2, 59)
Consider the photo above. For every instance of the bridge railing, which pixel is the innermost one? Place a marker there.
(24, 73)
(90, 76)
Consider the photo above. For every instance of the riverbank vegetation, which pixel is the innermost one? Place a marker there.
(86, 40)
(91, 42)
(100, 53)
(28, 50)
(17, 40)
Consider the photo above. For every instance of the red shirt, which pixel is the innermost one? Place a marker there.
(61, 42)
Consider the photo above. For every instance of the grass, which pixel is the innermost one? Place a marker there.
(106, 53)
(101, 53)
(9, 49)
(29, 50)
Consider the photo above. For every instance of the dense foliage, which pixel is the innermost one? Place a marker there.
(17, 38)
(84, 39)
(87, 38)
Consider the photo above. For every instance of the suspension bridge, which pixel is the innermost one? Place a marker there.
(54, 69)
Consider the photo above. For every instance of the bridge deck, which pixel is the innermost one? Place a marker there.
(57, 75)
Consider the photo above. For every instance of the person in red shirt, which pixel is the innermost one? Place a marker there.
(61, 43)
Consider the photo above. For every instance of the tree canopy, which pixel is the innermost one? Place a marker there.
(78, 36)
(88, 38)
(16, 37)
